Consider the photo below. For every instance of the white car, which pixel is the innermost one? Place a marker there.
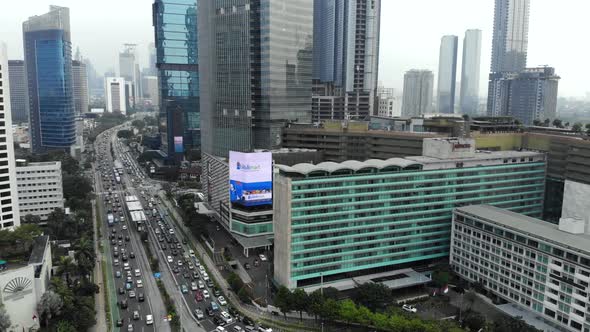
(171, 231)
(137, 273)
(409, 308)
(191, 252)
(237, 328)
(149, 319)
(126, 266)
(220, 329)
(222, 300)
(202, 269)
(226, 317)
(201, 284)
(194, 286)
(170, 260)
(124, 227)
(179, 262)
(206, 294)
(190, 266)
(263, 257)
(139, 283)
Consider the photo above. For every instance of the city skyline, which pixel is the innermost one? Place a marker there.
(399, 50)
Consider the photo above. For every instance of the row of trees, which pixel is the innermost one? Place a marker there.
(67, 308)
(577, 127)
(106, 121)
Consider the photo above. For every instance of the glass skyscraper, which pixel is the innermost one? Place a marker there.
(18, 91)
(177, 62)
(470, 71)
(447, 74)
(256, 63)
(48, 65)
(510, 38)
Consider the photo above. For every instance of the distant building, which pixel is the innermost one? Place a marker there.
(335, 222)
(18, 91)
(40, 189)
(470, 69)
(127, 70)
(447, 74)
(417, 94)
(390, 107)
(540, 269)
(23, 284)
(151, 90)
(80, 87)
(48, 62)
(527, 96)
(9, 216)
(115, 95)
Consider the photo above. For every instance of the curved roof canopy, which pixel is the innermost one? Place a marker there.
(351, 165)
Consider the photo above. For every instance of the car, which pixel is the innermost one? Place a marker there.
(206, 294)
(190, 266)
(191, 253)
(205, 276)
(128, 286)
(163, 246)
(116, 262)
(237, 328)
(120, 237)
(201, 284)
(170, 260)
(174, 252)
(226, 317)
(179, 262)
(123, 304)
(149, 319)
(214, 306)
(135, 315)
(199, 296)
(127, 239)
(186, 275)
(220, 329)
(249, 328)
(131, 294)
(161, 239)
(222, 300)
(119, 322)
(409, 308)
(113, 241)
(262, 257)
(139, 283)
(202, 269)
(118, 274)
(210, 283)
(124, 258)
(175, 270)
(126, 266)
(132, 254)
(137, 272)
(195, 275)
(247, 266)
(216, 291)
(264, 329)
(140, 297)
(130, 328)
(199, 314)
(129, 279)
(124, 227)
(171, 231)
(178, 246)
(121, 290)
(120, 242)
(218, 321)
(194, 286)
(184, 289)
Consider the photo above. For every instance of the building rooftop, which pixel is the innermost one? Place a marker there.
(532, 227)
(38, 252)
(479, 155)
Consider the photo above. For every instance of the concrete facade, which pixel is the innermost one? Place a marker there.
(115, 97)
(40, 189)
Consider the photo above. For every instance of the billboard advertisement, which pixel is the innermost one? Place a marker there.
(178, 144)
(250, 178)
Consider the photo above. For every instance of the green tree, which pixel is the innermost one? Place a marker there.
(473, 320)
(244, 295)
(300, 301)
(5, 322)
(49, 306)
(348, 311)
(31, 219)
(316, 300)
(125, 134)
(330, 309)
(510, 324)
(441, 278)
(139, 124)
(577, 127)
(284, 300)
(557, 123)
(331, 293)
(66, 267)
(65, 326)
(537, 122)
(371, 295)
(546, 122)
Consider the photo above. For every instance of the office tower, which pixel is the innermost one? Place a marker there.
(337, 220)
(417, 94)
(115, 95)
(9, 216)
(151, 90)
(40, 189)
(48, 65)
(469, 100)
(152, 59)
(346, 51)
(177, 60)
(509, 47)
(80, 87)
(255, 72)
(127, 70)
(540, 269)
(447, 74)
(18, 91)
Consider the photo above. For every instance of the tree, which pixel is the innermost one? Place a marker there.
(49, 306)
(316, 300)
(300, 301)
(126, 134)
(5, 322)
(348, 311)
(557, 123)
(284, 300)
(331, 293)
(244, 295)
(537, 122)
(139, 124)
(372, 296)
(577, 127)
(65, 326)
(473, 320)
(511, 324)
(31, 219)
(330, 309)
(546, 122)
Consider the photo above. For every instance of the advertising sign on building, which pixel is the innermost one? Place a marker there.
(250, 178)
(178, 144)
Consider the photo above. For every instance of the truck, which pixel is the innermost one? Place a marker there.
(110, 219)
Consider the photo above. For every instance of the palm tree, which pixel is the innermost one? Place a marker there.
(86, 248)
(67, 266)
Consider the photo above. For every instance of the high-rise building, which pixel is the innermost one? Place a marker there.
(115, 95)
(151, 90)
(152, 59)
(469, 100)
(40, 189)
(346, 50)
(527, 96)
(334, 222)
(255, 72)
(127, 70)
(177, 61)
(509, 45)
(80, 87)
(9, 216)
(48, 65)
(447, 74)
(417, 94)
(18, 91)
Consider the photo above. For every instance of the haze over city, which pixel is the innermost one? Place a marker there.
(410, 34)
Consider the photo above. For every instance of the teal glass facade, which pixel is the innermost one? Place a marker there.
(346, 223)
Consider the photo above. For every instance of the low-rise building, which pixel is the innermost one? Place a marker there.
(22, 284)
(336, 221)
(540, 267)
(39, 186)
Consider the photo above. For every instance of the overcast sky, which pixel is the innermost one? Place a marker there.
(410, 34)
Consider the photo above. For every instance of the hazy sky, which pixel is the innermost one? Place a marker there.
(410, 34)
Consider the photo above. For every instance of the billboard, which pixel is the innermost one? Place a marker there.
(250, 178)
(178, 144)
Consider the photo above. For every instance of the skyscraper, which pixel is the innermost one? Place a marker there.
(447, 74)
(255, 72)
(48, 65)
(177, 61)
(417, 94)
(80, 87)
(346, 51)
(510, 36)
(18, 91)
(114, 94)
(9, 214)
(469, 99)
(127, 70)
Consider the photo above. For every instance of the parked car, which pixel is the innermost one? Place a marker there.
(409, 308)
(222, 300)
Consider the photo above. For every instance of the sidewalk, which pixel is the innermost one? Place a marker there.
(99, 304)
